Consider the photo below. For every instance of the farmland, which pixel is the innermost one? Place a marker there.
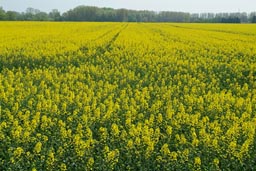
(127, 96)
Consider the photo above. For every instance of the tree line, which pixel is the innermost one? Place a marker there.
(91, 13)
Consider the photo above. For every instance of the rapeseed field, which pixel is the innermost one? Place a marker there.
(127, 96)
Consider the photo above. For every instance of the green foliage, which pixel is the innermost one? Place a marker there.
(92, 13)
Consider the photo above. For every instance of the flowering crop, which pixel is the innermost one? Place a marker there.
(119, 96)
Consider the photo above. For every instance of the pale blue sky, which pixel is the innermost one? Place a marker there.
(155, 5)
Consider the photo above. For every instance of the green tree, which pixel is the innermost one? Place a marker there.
(55, 15)
(30, 13)
(81, 13)
(254, 19)
(41, 16)
(2, 14)
(122, 15)
(12, 15)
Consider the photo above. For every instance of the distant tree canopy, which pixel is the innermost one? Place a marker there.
(2, 14)
(231, 20)
(91, 13)
(254, 19)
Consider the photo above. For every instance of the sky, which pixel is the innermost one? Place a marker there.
(192, 6)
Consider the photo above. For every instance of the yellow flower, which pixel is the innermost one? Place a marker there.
(63, 167)
(215, 143)
(173, 156)
(38, 147)
(115, 130)
(149, 150)
(195, 142)
(89, 164)
(232, 146)
(34, 169)
(183, 139)
(165, 150)
(18, 151)
(216, 161)
(51, 158)
(129, 144)
(159, 118)
(169, 130)
(112, 156)
(104, 133)
(197, 161)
